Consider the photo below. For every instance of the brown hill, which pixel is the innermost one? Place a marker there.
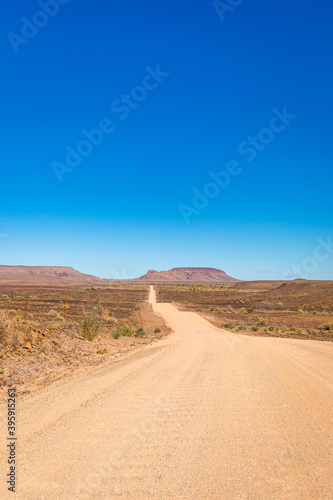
(187, 274)
(257, 285)
(43, 273)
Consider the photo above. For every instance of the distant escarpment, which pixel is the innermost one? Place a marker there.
(188, 274)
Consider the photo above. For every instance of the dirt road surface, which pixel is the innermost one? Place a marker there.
(203, 414)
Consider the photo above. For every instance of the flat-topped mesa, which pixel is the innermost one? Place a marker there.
(188, 274)
(44, 273)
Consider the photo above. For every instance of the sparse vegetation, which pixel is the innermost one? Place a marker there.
(45, 342)
(53, 327)
(140, 333)
(6, 327)
(297, 304)
(262, 322)
(91, 326)
(123, 331)
(112, 321)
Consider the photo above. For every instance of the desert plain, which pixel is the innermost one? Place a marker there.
(138, 389)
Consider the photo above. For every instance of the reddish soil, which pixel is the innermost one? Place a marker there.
(31, 273)
(46, 347)
(298, 309)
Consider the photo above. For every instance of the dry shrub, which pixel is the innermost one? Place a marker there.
(112, 321)
(15, 338)
(6, 327)
(90, 327)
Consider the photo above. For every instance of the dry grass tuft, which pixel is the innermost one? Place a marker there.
(6, 327)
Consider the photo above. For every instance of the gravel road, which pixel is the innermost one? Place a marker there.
(203, 414)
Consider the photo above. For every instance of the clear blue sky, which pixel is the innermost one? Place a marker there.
(120, 211)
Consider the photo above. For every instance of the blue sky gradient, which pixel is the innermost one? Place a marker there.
(117, 213)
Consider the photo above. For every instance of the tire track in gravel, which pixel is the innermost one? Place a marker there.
(204, 414)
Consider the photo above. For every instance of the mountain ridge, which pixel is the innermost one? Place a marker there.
(44, 272)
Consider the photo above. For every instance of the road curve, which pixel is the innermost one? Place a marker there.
(203, 414)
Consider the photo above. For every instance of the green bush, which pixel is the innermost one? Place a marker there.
(254, 328)
(325, 326)
(271, 328)
(140, 333)
(157, 330)
(123, 331)
(249, 310)
(91, 326)
(241, 327)
(230, 326)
